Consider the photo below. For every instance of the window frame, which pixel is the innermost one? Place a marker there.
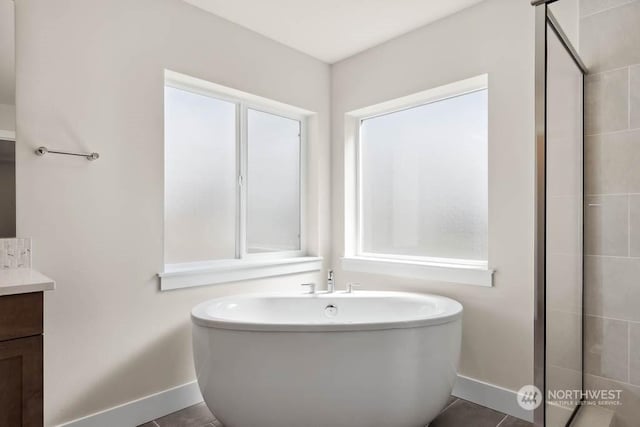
(255, 265)
(426, 267)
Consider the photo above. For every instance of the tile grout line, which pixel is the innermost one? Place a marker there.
(612, 132)
(629, 352)
(607, 71)
(629, 97)
(448, 406)
(589, 15)
(610, 194)
(617, 319)
(628, 225)
(501, 421)
(611, 70)
(631, 81)
(613, 380)
(611, 256)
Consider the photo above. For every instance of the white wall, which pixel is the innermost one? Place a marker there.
(7, 53)
(90, 77)
(7, 64)
(494, 37)
(7, 118)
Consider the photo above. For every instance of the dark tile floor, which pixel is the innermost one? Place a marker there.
(457, 413)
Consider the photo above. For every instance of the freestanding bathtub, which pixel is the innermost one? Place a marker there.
(366, 359)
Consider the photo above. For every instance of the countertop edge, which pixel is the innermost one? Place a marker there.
(23, 281)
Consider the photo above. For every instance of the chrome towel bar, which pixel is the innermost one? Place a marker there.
(41, 151)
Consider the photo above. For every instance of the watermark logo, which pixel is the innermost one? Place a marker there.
(529, 397)
(571, 398)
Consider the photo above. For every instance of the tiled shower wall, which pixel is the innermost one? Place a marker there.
(610, 46)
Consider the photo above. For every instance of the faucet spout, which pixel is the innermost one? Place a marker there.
(330, 283)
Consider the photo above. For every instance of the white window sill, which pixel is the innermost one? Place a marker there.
(454, 273)
(177, 276)
(8, 135)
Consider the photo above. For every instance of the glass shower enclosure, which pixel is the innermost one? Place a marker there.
(558, 328)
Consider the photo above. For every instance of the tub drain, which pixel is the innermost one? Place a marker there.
(331, 310)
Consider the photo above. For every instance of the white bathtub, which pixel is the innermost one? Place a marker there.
(367, 359)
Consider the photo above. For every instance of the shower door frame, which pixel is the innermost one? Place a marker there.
(544, 20)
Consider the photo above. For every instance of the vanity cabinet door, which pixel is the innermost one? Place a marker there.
(21, 382)
(21, 315)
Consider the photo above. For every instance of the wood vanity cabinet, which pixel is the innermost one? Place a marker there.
(21, 358)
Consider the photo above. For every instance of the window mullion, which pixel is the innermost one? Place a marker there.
(241, 242)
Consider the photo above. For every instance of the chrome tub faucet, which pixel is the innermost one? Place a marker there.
(331, 287)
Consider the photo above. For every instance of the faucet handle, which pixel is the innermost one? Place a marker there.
(352, 285)
(312, 287)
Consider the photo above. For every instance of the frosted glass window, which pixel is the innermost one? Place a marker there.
(200, 177)
(423, 180)
(233, 176)
(273, 183)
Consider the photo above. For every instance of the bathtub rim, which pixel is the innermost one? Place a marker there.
(453, 312)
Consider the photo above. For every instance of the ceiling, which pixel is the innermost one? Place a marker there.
(7, 62)
(332, 30)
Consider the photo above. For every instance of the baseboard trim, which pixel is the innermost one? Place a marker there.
(142, 410)
(491, 396)
(148, 408)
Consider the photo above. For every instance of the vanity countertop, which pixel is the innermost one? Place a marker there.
(24, 280)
